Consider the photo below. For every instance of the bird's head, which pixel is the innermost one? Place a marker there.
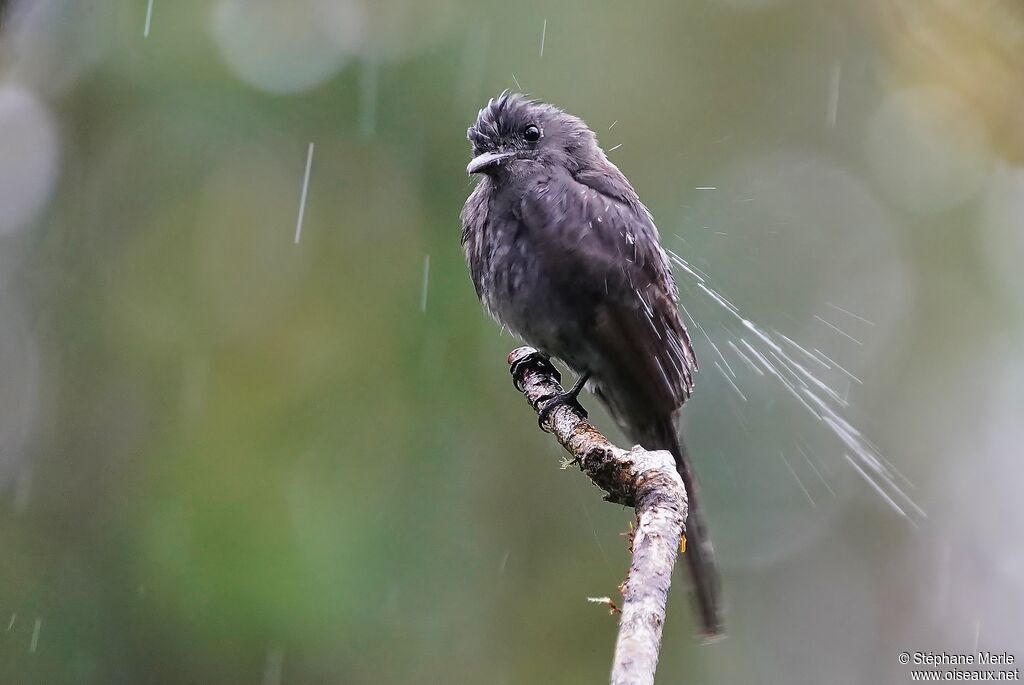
(514, 134)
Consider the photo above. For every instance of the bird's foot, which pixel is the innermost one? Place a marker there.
(567, 397)
(550, 405)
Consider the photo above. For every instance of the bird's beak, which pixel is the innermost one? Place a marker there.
(487, 160)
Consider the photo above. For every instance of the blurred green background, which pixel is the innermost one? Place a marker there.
(227, 457)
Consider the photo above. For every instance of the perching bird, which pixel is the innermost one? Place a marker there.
(563, 253)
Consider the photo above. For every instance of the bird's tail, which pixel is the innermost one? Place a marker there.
(699, 554)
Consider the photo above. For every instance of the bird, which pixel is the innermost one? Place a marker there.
(563, 254)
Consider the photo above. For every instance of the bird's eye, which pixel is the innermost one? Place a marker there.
(531, 133)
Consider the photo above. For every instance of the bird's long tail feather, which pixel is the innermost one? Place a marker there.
(699, 554)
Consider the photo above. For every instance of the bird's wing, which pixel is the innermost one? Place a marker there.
(603, 245)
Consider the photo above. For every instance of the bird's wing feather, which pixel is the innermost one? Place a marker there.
(604, 247)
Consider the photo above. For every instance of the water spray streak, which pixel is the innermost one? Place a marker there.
(35, 635)
(833, 94)
(849, 313)
(730, 382)
(797, 479)
(836, 364)
(838, 330)
(764, 354)
(720, 355)
(802, 349)
(745, 358)
(149, 19)
(814, 468)
(426, 283)
(305, 189)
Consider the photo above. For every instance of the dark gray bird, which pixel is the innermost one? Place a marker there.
(563, 253)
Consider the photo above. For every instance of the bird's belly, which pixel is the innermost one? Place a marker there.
(539, 308)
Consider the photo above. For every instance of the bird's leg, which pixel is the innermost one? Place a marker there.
(563, 398)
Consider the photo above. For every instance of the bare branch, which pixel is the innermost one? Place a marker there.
(647, 481)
